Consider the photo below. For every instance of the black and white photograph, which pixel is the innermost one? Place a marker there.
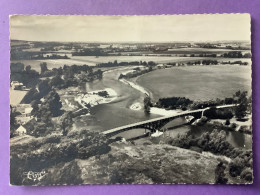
(148, 99)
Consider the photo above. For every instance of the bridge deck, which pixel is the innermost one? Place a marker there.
(184, 113)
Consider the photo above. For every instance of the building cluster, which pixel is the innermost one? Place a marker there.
(24, 116)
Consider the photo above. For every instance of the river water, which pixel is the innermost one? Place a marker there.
(118, 113)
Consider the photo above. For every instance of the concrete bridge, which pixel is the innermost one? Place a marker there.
(157, 123)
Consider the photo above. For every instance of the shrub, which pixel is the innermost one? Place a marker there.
(247, 174)
(227, 122)
(220, 177)
(202, 120)
(236, 167)
(233, 125)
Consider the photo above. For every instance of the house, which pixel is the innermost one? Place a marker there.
(21, 130)
(160, 66)
(15, 85)
(27, 111)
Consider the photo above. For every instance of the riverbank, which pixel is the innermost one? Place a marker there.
(135, 86)
(153, 110)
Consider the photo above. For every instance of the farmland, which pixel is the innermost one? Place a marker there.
(213, 81)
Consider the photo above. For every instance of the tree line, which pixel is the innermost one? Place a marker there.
(137, 72)
(240, 97)
(115, 63)
(236, 54)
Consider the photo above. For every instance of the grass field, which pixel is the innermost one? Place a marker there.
(197, 82)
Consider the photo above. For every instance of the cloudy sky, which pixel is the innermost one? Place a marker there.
(164, 28)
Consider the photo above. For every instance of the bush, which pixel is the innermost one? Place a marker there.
(220, 177)
(233, 125)
(247, 174)
(202, 121)
(227, 122)
(244, 129)
(236, 167)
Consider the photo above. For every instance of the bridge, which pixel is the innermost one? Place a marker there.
(157, 123)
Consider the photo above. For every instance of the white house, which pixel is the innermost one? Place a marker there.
(27, 111)
(15, 85)
(21, 130)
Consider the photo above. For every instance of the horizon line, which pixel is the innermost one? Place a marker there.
(249, 41)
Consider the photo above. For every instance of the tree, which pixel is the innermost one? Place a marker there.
(44, 88)
(103, 93)
(240, 110)
(43, 67)
(13, 122)
(120, 76)
(236, 166)
(35, 107)
(247, 174)
(151, 63)
(56, 81)
(28, 68)
(66, 123)
(220, 177)
(99, 74)
(147, 104)
(50, 107)
(53, 102)
(247, 55)
(227, 122)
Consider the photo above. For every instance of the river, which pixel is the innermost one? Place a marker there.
(118, 113)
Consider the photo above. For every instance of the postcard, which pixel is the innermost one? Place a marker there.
(155, 99)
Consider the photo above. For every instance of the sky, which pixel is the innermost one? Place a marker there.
(160, 28)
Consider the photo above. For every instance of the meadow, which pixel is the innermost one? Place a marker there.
(197, 82)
